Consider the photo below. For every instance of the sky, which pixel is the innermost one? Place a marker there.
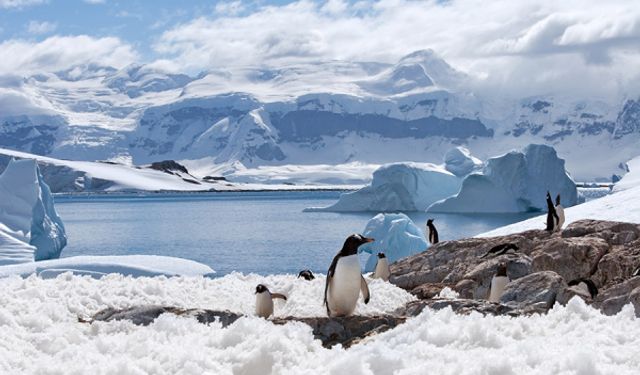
(569, 46)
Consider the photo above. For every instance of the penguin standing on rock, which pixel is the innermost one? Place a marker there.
(382, 268)
(433, 232)
(264, 301)
(560, 213)
(498, 283)
(344, 279)
(552, 215)
(501, 249)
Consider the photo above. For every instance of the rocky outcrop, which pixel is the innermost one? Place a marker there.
(331, 331)
(603, 251)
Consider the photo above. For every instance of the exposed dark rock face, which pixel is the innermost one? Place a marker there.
(169, 166)
(603, 251)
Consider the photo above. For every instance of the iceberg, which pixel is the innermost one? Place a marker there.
(460, 162)
(399, 187)
(514, 182)
(30, 226)
(395, 235)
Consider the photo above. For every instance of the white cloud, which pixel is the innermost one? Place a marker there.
(496, 39)
(19, 3)
(61, 52)
(44, 27)
(95, 1)
(230, 8)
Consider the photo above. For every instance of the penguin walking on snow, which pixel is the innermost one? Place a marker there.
(560, 213)
(433, 232)
(344, 279)
(382, 268)
(498, 283)
(264, 301)
(306, 274)
(501, 249)
(552, 215)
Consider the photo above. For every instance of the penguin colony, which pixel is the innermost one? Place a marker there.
(345, 282)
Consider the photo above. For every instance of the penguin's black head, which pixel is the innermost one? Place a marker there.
(306, 274)
(429, 222)
(352, 243)
(381, 255)
(261, 289)
(502, 270)
(557, 199)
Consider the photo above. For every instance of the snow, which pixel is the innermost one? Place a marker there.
(395, 235)
(459, 161)
(514, 182)
(98, 266)
(41, 334)
(622, 205)
(27, 215)
(399, 187)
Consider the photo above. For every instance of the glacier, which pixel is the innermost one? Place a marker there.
(28, 214)
(514, 182)
(396, 235)
(399, 187)
(460, 162)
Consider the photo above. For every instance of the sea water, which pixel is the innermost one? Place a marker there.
(259, 232)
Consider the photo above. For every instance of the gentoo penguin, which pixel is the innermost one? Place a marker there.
(501, 249)
(264, 301)
(382, 268)
(344, 279)
(306, 274)
(499, 281)
(433, 232)
(585, 284)
(560, 213)
(552, 216)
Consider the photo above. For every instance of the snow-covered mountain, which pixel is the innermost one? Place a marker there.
(324, 113)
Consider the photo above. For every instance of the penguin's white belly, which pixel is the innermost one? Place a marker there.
(264, 305)
(382, 270)
(497, 287)
(560, 212)
(344, 288)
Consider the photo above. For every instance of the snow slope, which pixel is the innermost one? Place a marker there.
(622, 205)
(41, 333)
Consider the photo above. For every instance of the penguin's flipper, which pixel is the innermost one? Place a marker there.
(364, 288)
(278, 295)
(330, 272)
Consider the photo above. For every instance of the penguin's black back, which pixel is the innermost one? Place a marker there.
(433, 232)
(551, 213)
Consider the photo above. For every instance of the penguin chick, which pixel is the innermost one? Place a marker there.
(344, 279)
(264, 301)
(382, 268)
(433, 232)
(306, 274)
(498, 283)
(501, 249)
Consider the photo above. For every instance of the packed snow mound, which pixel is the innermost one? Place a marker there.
(99, 266)
(460, 162)
(514, 182)
(395, 235)
(27, 213)
(399, 187)
(44, 335)
(632, 178)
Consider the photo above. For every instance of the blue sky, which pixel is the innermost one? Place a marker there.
(535, 45)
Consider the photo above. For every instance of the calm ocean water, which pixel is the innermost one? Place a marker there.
(248, 232)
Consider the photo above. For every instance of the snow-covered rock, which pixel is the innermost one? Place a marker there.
(399, 187)
(28, 215)
(514, 182)
(460, 162)
(395, 235)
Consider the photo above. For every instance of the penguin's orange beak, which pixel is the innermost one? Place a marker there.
(366, 240)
